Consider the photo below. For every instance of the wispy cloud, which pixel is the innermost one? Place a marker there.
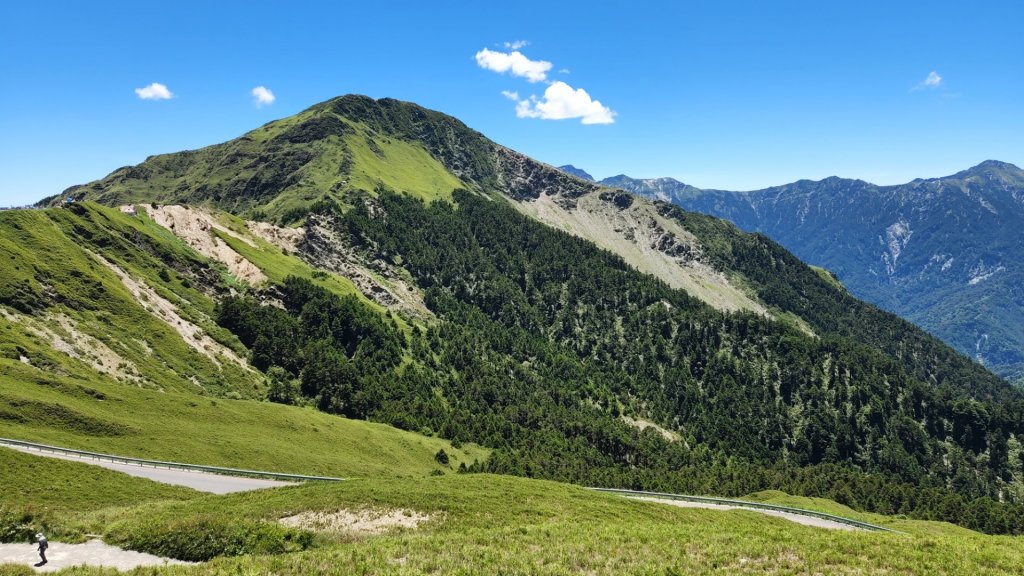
(562, 102)
(559, 102)
(933, 80)
(516, 44)
(155, 91)
(263, 96)
(513, 62)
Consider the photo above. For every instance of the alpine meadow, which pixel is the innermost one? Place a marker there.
(416, 347)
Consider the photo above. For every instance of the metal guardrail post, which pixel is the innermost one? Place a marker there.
(169, 465)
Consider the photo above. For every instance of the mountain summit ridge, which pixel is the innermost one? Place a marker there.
(351, 148)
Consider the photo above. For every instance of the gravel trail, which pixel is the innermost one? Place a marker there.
(93, 553)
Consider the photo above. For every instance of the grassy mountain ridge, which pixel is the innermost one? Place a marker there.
(278, 169)
(549, 350)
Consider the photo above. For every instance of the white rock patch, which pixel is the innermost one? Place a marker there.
(356, 521)
(635, 233)
(642, 424)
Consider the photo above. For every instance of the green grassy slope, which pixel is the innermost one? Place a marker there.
(185, 427)
(50, 271)
(120, 379)
(489, 524)
(281, 168)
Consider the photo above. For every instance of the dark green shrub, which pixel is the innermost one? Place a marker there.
(10, 351)
(19, 525)
(201, 538)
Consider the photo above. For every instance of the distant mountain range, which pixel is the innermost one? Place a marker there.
(570, 169)
(944, 253)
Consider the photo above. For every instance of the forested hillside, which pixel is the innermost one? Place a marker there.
(550, 350)
(940, 252)
(568, 360)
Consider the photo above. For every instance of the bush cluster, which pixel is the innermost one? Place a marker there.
(201, 538)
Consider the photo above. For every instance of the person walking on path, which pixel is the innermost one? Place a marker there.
(43, 545)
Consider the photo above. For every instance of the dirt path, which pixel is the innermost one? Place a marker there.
(93, 553)
(798, 518)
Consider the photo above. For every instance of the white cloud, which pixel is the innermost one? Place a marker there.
(932, 81)
(563, 71)
(516, 44)
(155, 91)
(511, 95)
(263, 96)
(561, 102)
(514, 62)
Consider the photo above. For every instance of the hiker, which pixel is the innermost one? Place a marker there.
(43, 545)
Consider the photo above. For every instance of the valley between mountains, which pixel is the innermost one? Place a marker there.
(373, 290)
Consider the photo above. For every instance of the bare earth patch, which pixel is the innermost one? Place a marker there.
(284, 238)
(166, 311)
(195, 226)
(63, 335)
(641, 424)
(356, 521)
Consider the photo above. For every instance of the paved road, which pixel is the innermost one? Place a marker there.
(202, 481)
(220, 484)
(798, 518)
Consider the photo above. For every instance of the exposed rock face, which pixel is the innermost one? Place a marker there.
(384, 283)
(523, 178)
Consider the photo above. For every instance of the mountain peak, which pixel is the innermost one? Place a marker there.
(577, 172)
(989, 166)
(995, 164)
(994, 170)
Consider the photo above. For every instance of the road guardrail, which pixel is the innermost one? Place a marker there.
(162, 464)
(748, 504)
(303, 478)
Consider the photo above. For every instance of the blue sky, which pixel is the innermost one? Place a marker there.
(735, 95)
